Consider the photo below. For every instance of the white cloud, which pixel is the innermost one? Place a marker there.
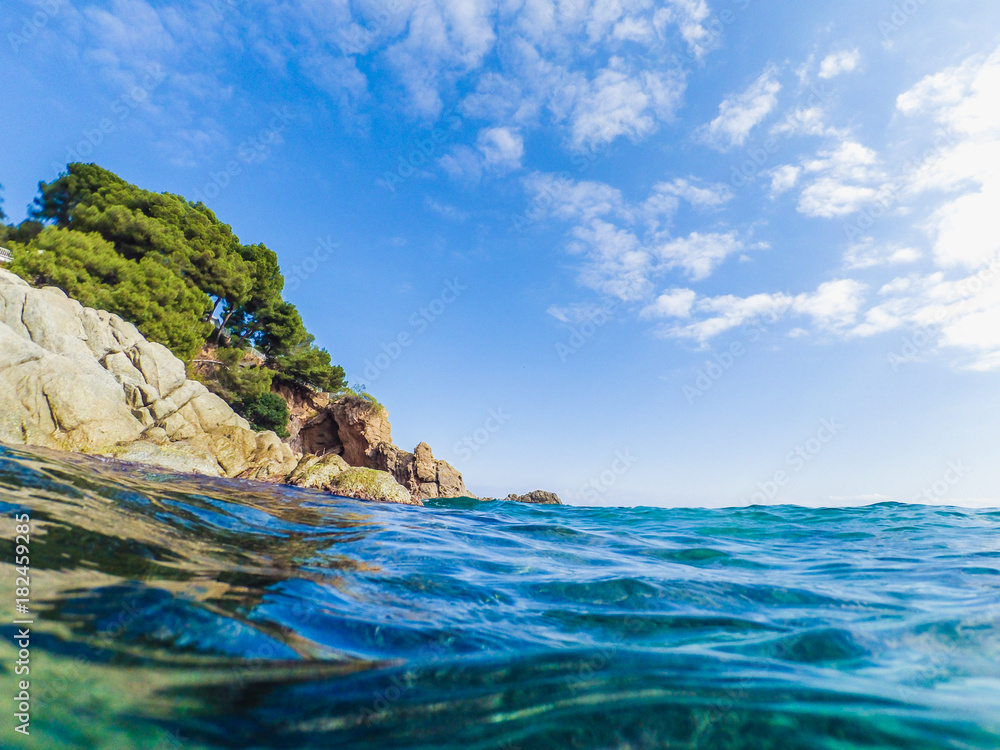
(625, 245)
(580, 312)
(462, 163)
(690, 16)
(866, 253)
(783, 178)
(675, 303)
(848, 178)
(616, 262)
(839, 62)
(740, 113)
(804, 121)
(665, 198)
(709, 196)
(834, 306)
(699, 254)
(966, 161)
(619, 103)
(828, 197)
(502, 148)
(726, 312)
(570, 200)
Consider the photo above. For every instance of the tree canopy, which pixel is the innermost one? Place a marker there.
(145, 292)
(167, 265)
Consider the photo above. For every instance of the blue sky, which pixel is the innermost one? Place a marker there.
(686, 252)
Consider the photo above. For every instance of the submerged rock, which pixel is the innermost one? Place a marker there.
(316, 472)
(369, 484)
(538, 497)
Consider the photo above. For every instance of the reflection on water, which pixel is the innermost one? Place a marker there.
(190, 612)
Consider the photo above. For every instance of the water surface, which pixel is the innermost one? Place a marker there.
(185, 612)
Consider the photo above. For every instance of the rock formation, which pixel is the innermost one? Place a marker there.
(84, 380)
(538, 497)
(77, 379)
(360, 433)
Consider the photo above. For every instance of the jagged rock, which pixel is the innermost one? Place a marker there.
(362, 428)
(425, 467)
(538, 497)
(273, 460)
(359, 431)
(369, 484)
(62, 401)
(161, 369)
(450, 482)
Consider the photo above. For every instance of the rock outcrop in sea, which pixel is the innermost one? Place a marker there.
(77, 379)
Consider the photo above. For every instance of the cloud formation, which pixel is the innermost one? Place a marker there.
(740, 113)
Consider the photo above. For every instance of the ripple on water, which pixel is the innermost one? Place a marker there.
(240, 615)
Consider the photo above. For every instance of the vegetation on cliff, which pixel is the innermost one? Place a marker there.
(169, 265)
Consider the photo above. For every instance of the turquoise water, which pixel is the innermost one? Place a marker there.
(183, 612)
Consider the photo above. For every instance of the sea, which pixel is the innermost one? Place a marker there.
(167, 611)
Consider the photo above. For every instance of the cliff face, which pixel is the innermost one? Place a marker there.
(77, 379)
(360, 433)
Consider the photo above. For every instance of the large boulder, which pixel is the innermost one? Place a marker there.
(85, 380)
(369, 484)
(316, 472)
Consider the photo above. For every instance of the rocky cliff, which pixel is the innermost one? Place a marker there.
(84, 380)
(356, 430)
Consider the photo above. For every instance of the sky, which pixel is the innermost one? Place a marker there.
(676, 253)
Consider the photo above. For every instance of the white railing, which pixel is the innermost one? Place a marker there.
(6, 256)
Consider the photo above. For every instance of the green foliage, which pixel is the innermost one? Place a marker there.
(188, 241)
(268, 411)
(143, 291)
(361, 393)
(236, 383)
(3, 216)
(310, 365)
(24, 232)
(166, 264)
(186, 237)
